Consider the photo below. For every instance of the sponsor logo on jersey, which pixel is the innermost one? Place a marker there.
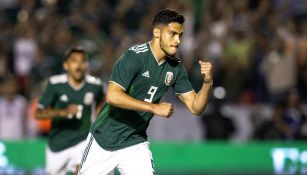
(88, 98)
(64, 98)
(168, 78)
(146, 74)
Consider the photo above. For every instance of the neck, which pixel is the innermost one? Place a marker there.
(75, 83)
(157, 51)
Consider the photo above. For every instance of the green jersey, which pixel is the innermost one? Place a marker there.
(59, 94)
(142, 78)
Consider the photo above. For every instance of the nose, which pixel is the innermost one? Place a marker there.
(177, 40)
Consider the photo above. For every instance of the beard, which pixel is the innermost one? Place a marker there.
(164, 47)
(78, 77)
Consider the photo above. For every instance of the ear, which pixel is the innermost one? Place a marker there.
(65, 66)
(156, 32)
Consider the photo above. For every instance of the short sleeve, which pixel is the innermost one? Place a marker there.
(48, 97)
(182, 83)
(125, 70)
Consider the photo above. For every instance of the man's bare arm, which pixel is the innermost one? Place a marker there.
(51, 113)
(117, 97)
(196, 103)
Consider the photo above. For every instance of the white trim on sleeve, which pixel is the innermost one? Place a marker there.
(184, 92)
(118, 85)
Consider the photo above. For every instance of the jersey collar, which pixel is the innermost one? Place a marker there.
(76, 88)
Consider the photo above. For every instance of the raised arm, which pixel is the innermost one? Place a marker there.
(196, 102)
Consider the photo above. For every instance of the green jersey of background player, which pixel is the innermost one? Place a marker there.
(140, 78)
(69, 100)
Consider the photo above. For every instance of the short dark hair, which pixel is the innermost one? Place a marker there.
(166, 16)
(75, 49)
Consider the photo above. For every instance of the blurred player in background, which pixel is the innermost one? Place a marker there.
(12, 110)
(139, 79)
(69, 100)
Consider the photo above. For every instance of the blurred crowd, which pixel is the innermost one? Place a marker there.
(258, 49)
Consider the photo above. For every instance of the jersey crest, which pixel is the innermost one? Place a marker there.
(88, 98)
(168, 78)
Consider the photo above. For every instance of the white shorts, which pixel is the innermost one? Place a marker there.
(133, 160)
(59, 163)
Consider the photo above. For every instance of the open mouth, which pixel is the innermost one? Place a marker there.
(78, 71)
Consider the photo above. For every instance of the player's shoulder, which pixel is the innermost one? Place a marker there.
(93, 80)
(58, 79)
(136, 53)
(139, 49)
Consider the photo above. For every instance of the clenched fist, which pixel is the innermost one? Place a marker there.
(206, 71)
(163, 109)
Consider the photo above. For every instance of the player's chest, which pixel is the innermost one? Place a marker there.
(68, 96)
(160, 77)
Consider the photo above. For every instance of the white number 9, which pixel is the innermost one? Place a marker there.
(151, 92)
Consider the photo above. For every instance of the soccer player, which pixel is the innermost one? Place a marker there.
(69, 100)
(140, 77)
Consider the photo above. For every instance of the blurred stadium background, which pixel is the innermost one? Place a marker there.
(255, 123)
